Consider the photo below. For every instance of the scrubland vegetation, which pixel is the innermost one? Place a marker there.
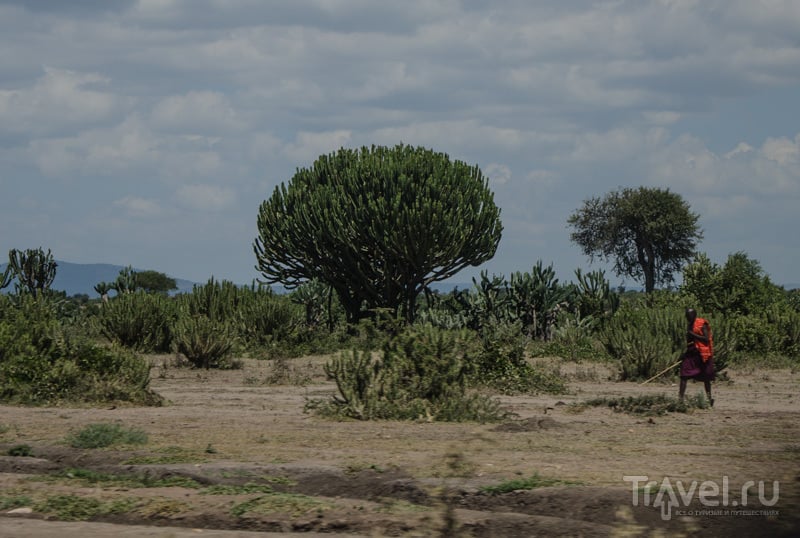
(463, 346)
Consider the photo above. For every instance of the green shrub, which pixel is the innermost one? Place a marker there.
(422, 374)
(650, 405)
(264, 319)
(139, 321)
(205, 342)
(501, 365)
(532, 482)
(74, 508)
(41, 363)
(754, 334)
(573, 339)
(787, 321)
(104, 435)
(20, 451)
(644, 340)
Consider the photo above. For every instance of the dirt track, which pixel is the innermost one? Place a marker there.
(310, 475)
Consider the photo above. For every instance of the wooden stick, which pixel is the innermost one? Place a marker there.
(664, 371)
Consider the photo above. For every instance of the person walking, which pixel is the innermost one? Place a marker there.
(697, 362)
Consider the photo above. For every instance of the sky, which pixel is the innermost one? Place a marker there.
(148, 132)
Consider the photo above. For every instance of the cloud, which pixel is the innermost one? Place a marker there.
(139, 207)
(782, 150)
(156, 109)
(98, 151)
(499, 174)
(308, 146)
(206, 197)
(196, 112)
(59, 100)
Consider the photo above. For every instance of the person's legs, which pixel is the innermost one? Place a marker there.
(707, 383)
(682, 389)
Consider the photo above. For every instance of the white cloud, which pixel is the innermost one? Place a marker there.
(741, 147)
(196, 112)
(216, 101)
(60, 99)
(782, 150)
(126, 146)
(661, 117)
(498, 174)
(308, 146)
(135, 206)
(462, 135)
(206, 197)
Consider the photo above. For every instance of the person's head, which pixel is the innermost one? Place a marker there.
(691, 315)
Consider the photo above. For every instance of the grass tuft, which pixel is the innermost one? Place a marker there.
(20, 451)
(532, 482)
(105, 435)
(648, 405)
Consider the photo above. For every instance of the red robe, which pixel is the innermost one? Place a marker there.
(698, 360)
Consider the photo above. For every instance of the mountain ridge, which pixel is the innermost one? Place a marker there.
(80, 278)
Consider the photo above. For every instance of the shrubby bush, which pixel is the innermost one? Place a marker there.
(421, 374)
(573, 339)
(644, 341)
(40, 363)
(205, 342)
(140, 321)
(501, 365)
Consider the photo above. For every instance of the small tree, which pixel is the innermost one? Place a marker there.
(378, 225)
(155, 282)
(648, 232)
(34, 270)
(102, 289)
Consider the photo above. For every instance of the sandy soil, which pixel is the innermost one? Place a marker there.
(308, 475)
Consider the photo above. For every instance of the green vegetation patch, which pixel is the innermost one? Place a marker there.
(46, 360)
(285, 503)
(20, 451)
(422, 374)
(649, 405)
(105, 435)
(228, 489)
(75, 508)
(93, 478)
(14, 501)
(167, 455)
(532, 482)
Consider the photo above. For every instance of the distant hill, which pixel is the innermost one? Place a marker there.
(75, 278)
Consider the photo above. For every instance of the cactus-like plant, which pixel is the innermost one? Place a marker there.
(140, 321)
(126, 281)
(537, 298)
(422, 373)
(645, 340)
(378, 225)
(102, 289)
(5, 278)
(595, 300)
(205, 342)
(35, 270)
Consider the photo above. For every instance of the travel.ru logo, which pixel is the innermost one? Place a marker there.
(710, 494)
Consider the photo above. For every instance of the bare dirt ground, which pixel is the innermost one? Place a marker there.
(260, 464)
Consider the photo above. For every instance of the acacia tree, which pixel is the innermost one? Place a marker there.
(154, 282)
(378, 225)
(648, 232)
